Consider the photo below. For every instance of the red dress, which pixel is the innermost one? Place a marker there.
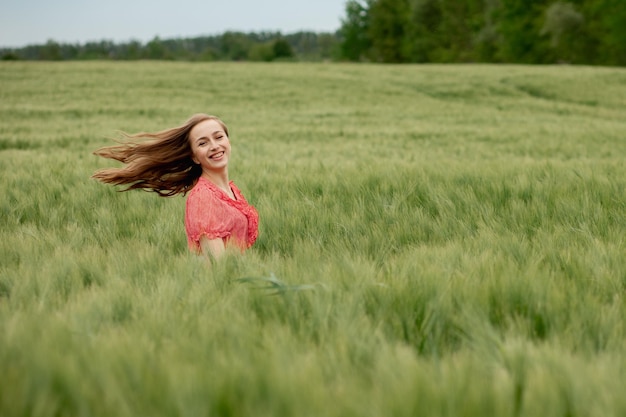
(212, 213)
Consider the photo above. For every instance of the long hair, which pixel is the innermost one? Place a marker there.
(162, 164)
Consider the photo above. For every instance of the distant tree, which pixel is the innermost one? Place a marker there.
(96, 50)
(311, 46)
(304, 44)
(605, 27)
(261, 52)
(388, 30)
(486, 38)
(282, 49)
(519, 27)
(235, 46)
(51, 51)
(10, 56)
(355, 35)
(155, 49)
(564, 25)
(424, 30)
(561, 19)
(328, 46)
(130, 50)
(462, 20)
(208, 54)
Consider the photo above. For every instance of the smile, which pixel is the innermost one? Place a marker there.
(217, 155)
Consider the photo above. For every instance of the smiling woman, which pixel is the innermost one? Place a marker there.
(190, 158)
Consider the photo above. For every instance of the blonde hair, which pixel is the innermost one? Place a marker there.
(162, 164)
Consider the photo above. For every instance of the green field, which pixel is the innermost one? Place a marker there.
(434, 241)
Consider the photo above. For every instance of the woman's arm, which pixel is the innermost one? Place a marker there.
(213, 248)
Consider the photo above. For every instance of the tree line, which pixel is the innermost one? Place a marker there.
(511, 31)
(401, 31)
(229, 46)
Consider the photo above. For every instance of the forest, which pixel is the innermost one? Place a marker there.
(589, 32)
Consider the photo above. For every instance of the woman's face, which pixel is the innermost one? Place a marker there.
(210, 146)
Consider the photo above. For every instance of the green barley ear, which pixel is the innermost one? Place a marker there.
(275, 286)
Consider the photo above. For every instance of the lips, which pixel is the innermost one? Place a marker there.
(217, 155)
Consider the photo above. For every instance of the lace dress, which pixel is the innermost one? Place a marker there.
(212, 213)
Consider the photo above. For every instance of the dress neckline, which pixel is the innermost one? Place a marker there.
(222, 193)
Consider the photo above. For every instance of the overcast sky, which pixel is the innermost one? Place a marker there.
(27, 22)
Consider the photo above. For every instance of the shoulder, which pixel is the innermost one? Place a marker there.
(201, 190)
(202, 185)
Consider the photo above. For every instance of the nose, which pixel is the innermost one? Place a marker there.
(212, 143)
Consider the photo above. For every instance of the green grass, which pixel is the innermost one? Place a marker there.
(434, 240)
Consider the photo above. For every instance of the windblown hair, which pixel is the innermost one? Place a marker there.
(162, 164)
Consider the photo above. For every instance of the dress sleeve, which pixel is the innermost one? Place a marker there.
(205, 215)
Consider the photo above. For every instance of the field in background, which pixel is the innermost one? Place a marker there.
(435, 240)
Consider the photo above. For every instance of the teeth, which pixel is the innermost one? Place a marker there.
(217, 155)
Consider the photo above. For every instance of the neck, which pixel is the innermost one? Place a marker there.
(218, 178)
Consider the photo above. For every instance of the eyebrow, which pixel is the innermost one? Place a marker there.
(212, 134)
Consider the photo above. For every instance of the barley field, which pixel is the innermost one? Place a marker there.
(434, 241)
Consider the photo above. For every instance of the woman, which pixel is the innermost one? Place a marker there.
(189, 158)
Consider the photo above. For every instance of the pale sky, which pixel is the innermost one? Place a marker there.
(27, 22)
